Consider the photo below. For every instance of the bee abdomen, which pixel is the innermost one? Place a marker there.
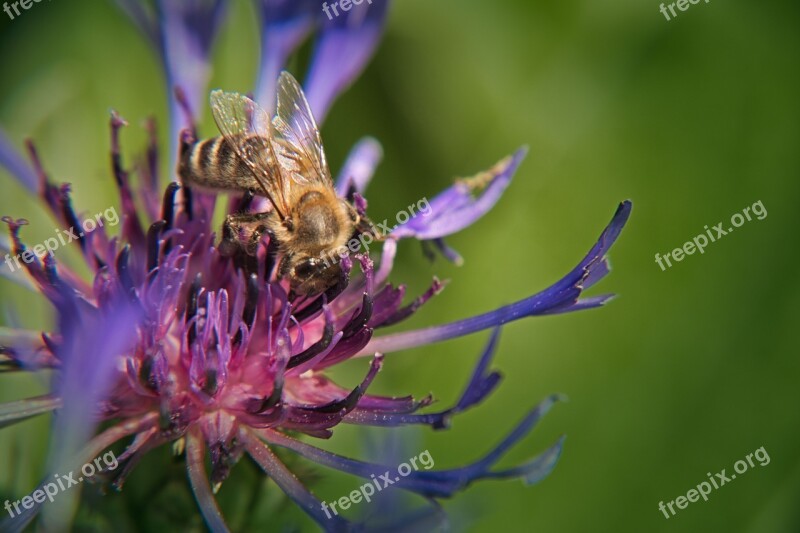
(213, 163)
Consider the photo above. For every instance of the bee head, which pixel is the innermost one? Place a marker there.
(311, 275)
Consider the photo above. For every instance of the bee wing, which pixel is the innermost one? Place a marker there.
(247, 129)
(296, 137)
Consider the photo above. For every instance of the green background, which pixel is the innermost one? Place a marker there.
(687, 371)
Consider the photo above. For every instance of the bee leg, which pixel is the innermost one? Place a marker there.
(246, 263)
(235, 231)
(255, 237)
(272, 255)
(230, 243)
(362, 225)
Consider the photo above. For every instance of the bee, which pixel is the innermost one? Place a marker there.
(281, 159)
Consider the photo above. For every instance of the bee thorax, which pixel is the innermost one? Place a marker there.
(317, 223)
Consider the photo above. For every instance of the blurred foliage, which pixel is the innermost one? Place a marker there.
(686, 372)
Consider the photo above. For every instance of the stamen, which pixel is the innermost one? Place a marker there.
(191, 308)
(360, 319)
(153, 235)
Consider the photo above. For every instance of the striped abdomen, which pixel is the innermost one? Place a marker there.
(212, 163)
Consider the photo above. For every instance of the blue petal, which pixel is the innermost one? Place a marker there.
(187, 32)
(16, 275)
(440, 483)
(89, 354)
(346, 43)
(394, 520)
(13, 162)
(359, 167)
(561, 297)
(25, 350)
(479, 387)
(456, 208)
(287, 481)
(449, 253)
(285, 24)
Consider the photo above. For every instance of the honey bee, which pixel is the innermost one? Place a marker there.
(283, 160)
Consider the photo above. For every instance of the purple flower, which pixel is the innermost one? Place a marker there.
(169, 342)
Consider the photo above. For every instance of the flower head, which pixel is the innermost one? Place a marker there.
(170, 342)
